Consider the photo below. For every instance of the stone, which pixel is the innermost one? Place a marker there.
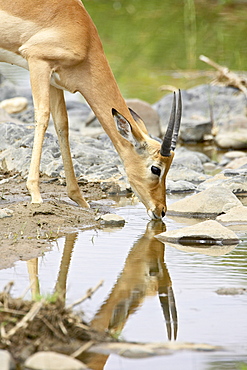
(236, 215)
(236, 139)
(113, 220)
(179, 186)
(204, 248)
(231, 291)
(233, 154)
(14, 105)
(186, 174)
(53, 361)
(200, 104)
(237, 162)
(208, 232)
(234, 180)
(209, 203)
(5, 212)
(6, 360)
(195, 130)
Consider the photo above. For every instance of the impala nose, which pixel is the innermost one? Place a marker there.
(154, 216)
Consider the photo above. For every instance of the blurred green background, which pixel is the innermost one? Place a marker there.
(158, 42)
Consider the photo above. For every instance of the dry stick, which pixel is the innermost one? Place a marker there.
(82, 349)
(53, 330)
(87, 295)
(25, 320)
(232, 78)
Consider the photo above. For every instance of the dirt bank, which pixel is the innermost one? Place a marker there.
(28, 231)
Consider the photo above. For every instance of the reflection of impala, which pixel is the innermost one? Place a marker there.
(144, 274)
(59, 44)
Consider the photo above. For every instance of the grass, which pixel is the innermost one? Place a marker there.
(144, 40)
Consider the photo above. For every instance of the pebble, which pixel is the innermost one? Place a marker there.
(14, 105)
(110, 219)
(53, 361)
(6, 360)
(5, 212)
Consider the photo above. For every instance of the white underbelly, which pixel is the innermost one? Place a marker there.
(12, 58)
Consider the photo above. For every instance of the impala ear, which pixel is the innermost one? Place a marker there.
(139, 121)
(123, 127)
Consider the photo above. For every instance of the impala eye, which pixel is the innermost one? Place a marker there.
(156, 170)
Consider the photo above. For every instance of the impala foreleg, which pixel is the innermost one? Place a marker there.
(60, 118)
(40, 82)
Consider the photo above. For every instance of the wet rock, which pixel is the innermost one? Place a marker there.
(204, 233)
(6, 360)
(112, 220)
(5, 212)
(209, 203)
(204, 248)
(231, 291)
(14, 105)
(236, 215)
(53, 361)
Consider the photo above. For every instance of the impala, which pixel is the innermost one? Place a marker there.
(58, 43)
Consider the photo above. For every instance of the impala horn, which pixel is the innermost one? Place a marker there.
(170, 139)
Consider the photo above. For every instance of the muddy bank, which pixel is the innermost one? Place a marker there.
(30, 228)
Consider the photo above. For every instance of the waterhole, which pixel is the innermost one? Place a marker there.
(151, 292)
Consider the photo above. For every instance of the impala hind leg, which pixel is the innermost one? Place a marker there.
(40, 73)
(60, 118)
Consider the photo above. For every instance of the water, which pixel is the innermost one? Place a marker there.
(150, 292)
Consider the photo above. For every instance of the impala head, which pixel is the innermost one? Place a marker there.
(146, 160)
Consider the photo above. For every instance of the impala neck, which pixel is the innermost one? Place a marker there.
(101, 91)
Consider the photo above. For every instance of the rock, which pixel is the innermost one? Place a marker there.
(6, 360)
(233, 154)
(186, 174)
(234, 180)
(237, 163)
(53, 361)
(236, 139)
(204, 233)
(236, 215)
(195, 130)
(14, 105)
(209, 203)
(110, 219)
(204, 248)
(231, 291)
(5, 212)
(200, 104)
(148, 114)
(179, 186)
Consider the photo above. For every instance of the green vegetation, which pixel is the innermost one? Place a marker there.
(147, 42)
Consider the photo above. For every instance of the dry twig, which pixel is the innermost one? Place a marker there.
(25, 320)
(89, 294)
(225, 75)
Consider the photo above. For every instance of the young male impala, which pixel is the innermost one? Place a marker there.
(58, 43)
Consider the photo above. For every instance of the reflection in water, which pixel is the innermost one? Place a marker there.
(144, 274)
